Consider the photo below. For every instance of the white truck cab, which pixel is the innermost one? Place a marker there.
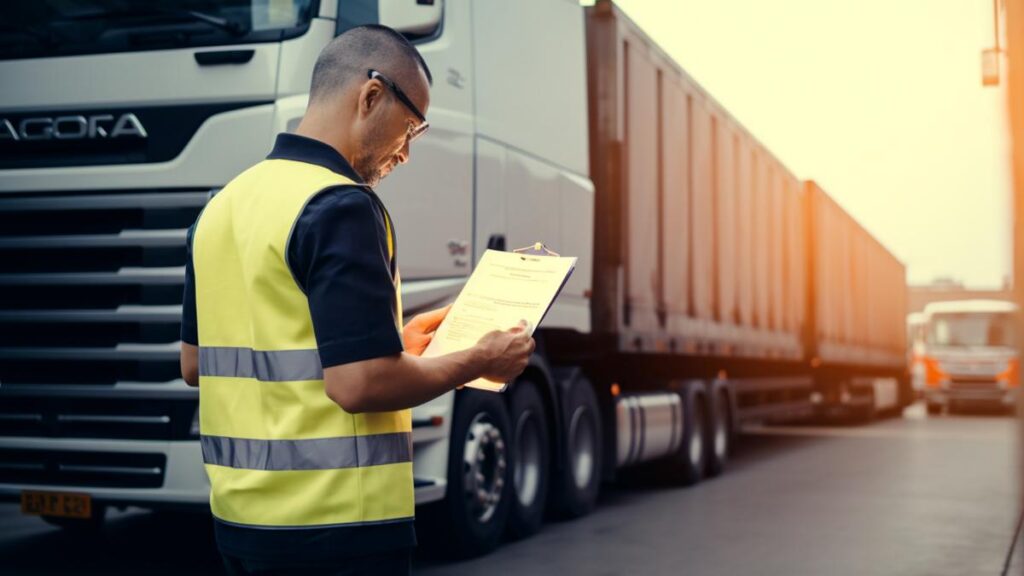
(970, 355)
(116, 126)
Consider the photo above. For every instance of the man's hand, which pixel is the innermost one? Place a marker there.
(419, 331)
(499, 356)
(506, 353)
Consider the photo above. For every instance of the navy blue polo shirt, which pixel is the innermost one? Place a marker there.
(338, 255)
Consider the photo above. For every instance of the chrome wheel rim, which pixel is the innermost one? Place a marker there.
(527, 469)
(484, 462)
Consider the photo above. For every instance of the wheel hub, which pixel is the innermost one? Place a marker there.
(484, 463)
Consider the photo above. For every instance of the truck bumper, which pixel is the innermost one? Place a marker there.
(184, 482)
(990, 397)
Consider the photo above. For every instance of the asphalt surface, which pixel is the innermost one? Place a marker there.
(914, 495)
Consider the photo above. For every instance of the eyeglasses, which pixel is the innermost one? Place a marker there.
(415, 131)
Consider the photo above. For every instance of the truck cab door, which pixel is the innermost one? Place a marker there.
(431, 197)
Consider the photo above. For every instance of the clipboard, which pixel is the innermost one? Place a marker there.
(504, 287)
(536, 249)
(541, 249)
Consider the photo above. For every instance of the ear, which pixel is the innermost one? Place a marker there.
(370, 97)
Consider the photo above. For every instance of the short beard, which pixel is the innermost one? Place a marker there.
(368, 166)
(369, 171)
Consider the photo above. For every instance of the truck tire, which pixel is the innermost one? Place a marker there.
(471, 519)
(686, 467)
(531, 460)
(578, 481)
(719, 432)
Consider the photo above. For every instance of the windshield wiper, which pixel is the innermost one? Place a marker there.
(231, 26)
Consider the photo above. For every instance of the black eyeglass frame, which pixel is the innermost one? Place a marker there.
(417, 131)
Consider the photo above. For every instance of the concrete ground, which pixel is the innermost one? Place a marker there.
(914, 495)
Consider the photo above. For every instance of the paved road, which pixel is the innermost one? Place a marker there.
(907, 496)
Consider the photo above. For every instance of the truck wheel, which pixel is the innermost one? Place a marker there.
(686, 467)
(471, 519)
(579, 479)
(83, 526)
(531, 460)
(719, 437)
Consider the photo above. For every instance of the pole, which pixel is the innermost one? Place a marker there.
(995, 23)
(1015, 103)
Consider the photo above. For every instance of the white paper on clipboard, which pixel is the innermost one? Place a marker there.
(505, 287)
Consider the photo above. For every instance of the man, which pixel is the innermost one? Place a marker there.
(292, 324)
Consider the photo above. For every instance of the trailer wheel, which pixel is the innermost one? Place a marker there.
(531, 460)
(471, 519)
(686, 467)
(579, 476)
(719, 437)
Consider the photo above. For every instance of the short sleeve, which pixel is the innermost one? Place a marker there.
(338, 254)
(189, 325)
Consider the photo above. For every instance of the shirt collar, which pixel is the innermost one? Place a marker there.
(311, 151)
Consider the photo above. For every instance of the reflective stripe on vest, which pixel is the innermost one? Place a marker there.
(264, 365)
(314, 454)
(278, 451)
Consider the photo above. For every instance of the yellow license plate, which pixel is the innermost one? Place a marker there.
(56, 504)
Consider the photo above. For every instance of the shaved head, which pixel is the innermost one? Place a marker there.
(348, 57)
(369, 120)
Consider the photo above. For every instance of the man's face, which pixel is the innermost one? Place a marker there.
(390, 126)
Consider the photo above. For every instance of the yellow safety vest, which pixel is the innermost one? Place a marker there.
(278, 451)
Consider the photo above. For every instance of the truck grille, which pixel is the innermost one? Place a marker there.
(91, 285)
(75, 417)
(101, 469)
(974, 383)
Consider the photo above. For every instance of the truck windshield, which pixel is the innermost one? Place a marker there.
(44, 28)
(972, 330)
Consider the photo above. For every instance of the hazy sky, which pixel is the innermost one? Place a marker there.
(880, 101)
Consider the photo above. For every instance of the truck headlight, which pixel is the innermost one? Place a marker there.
(1011, 375)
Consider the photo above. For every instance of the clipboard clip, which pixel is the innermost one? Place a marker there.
(536, 249)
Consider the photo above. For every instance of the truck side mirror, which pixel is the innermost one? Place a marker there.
(413, 18)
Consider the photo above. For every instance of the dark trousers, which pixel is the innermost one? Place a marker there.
(395, 563)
